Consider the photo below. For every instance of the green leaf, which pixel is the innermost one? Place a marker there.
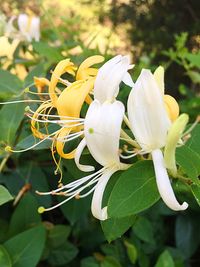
(196, 192)
(194, 76)
(143, 229)
(131, 251)
(25, 215)
(5, 196)
(10, 85)
(134, 192)
(186, 236)
(194, 59)
(38, 71)
(194, 142)
(165, 260)
(110, 262)
(5, 260)
(189, 161)
(116, 227)
(31, 141)
(58, 235)
(89, 262)
(26, 248)
(63, 254)
(10, 118)
(51, 53)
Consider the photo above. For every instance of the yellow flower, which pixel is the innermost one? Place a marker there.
(67, 103)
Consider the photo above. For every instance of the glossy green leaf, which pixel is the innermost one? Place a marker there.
(194, 141)
(189, 161)
(26, 248)
(5, 196)
(143, 229)
(10, 85)
(10, 119)
(134, 192)
(196, 192)
(131, 251)
(63, 254)
(58, 235)
(25, 215)
(165, 260)
(5, 260)
(116, 227)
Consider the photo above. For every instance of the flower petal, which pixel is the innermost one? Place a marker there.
(96, 206)
(146, 110)
(102, 131)
(79, 150)
(34, 30)
(159, 77)
(163, 183)
(109, 76)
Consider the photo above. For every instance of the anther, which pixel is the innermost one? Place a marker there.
(41, 209)
(27, 108)
(26, 90)
(8, 149)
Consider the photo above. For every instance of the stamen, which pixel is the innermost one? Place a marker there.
(22, 101)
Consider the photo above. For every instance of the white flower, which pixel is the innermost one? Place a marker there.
(102, 133)
(150, 124)
(29, 27)
(102, 126)
(109, 77)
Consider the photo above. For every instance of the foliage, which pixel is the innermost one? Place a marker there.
(141, 233)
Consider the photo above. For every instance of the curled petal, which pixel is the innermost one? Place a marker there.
(63, 66)
(70, 101)
(85, 70)
(96, 207)
(79, 150)
(163, 183)
(60, 144)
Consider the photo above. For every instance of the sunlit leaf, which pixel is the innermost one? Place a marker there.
(5, 196)
(135, 191)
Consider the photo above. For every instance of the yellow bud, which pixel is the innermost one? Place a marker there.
(26, 90)
(173, 137)
(172, 107)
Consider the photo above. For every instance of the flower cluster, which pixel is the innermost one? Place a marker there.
(153, 118)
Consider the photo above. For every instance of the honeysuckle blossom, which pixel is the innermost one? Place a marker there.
(102, 132)
(102, 127)
(28, 28)
(151, 120)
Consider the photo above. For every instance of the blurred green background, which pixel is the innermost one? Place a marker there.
(153, 33)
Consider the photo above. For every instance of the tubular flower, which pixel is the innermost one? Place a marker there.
(102, 132)
(29, 28)
(102, 127)
(67, 103)
(150, 123)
